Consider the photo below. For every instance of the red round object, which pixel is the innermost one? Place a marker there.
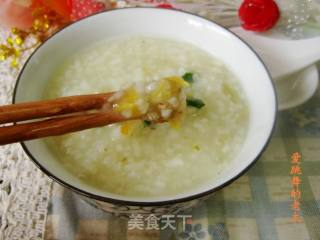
(259, 15)
(165, 5)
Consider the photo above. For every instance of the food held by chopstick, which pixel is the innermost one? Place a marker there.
(155, 102)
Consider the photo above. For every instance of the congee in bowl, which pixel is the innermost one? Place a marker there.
(216, 108)
(138, 158)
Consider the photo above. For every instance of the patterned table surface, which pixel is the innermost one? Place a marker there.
(259, 205)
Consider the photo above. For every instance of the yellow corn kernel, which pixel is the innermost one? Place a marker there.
(127, 128)
(162, 92)
(178, 81)
(128, 101)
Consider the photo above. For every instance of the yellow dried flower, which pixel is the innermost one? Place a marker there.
(45, 23)
(10, 41)
(2, 57)
(19, 41)
(14, 30)
(14, 63)
(16, 52)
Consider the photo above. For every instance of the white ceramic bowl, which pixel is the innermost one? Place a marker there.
(209, 36)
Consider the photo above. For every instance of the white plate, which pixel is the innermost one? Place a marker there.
(298, 88)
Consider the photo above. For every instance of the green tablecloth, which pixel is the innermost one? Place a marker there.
(256, 206)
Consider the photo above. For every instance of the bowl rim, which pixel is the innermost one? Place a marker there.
(150, 203)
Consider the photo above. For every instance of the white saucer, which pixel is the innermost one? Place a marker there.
(298, 88)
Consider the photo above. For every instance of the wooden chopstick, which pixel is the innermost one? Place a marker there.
(68, 114)
(48, 108)
(57, 126)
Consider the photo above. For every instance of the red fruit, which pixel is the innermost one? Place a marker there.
(259, 15)
(165, 5)
(84, 8)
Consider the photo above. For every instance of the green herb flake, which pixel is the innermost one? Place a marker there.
(147, 123)
(188, 77)
(196, 147)
(195, 102)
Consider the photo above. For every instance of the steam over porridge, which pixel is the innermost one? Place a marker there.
(139, 158)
